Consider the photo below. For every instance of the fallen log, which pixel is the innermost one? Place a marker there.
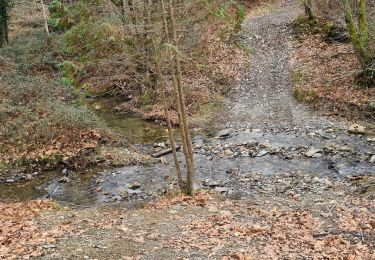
(165, 152)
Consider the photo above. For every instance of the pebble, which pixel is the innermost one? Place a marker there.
(48, 246)
(312, 151)
(225, 132)
(356, 129)
(222, 189)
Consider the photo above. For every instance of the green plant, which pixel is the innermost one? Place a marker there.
(297, 76)
(299, 94)
(69, 71)
(224, 12)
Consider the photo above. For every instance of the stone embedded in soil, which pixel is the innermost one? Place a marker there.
(134, 192)
(64, 179)
(134, 186)
(256, 131)
(225, 132)
(48, 246)
(222, 189)
(210, 183)
(10, 180)
(356, 129)
(312, 152)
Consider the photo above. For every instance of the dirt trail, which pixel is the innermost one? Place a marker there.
(265, 97)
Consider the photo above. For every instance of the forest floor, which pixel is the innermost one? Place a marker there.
(280, 181)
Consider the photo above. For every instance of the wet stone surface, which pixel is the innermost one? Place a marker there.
(233, 167)
(241, 163)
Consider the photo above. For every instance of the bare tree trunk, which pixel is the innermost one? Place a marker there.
(185, 149)
(181, 100)
(45, 17)
(309, 9)
(160, 84)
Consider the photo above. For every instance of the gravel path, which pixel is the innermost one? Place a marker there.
(265, 97)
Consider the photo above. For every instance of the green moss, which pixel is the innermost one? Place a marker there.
(303, 26)
(296, 77)
(299, 94)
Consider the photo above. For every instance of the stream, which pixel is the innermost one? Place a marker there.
(78, 187)
(222, 163)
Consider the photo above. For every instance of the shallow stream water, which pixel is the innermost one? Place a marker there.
(221, 163)
(78, 187)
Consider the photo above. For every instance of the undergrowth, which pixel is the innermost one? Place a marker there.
(100, 59)
(37, 111)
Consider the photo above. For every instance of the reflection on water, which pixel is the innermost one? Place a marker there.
(133, 128)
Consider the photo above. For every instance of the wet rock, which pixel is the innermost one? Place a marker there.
(345, 148)
(256, 131)
(317, 155)
(316, 179)
(48, 246)
(289, 156)
(225, 133)
(312, 134)
(265, 144)
(251, 143)
(356, 129)
(116, 198)
(228, 152)
(245, 154)
(222, 189)
(262, 153)
(134, 186)
(210, 183)
(161, 145)
(312, 152)
(64, 179)
(134, 192)
(372, 159)
(9, 180)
